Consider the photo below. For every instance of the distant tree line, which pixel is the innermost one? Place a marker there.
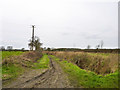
(87, 50)
(10, 48)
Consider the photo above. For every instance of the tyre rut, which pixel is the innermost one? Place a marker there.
(51, 78)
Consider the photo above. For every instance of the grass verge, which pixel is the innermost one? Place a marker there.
(87, 79)
(11, 71)
(42, 63)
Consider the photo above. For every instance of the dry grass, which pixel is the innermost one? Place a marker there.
(13, 66)
(100, 63)
(24, 59)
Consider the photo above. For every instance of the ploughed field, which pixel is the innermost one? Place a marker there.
(45, 69)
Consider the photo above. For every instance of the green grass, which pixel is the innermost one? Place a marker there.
(88, 79)
(6, 54)
(11, 71)
(42, 63)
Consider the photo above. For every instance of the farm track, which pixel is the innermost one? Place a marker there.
(50, 78)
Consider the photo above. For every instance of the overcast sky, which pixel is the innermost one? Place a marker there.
(59, 23)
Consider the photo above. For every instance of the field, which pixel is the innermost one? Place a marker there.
(14, 63)
(10, 71)
(84, 70)
(6, 54)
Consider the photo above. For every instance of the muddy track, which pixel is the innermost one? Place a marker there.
(50, 78)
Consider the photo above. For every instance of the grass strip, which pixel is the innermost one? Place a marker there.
(11, 71)
(87, 79)
(42, 63)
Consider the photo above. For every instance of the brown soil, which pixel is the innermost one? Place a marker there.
(47, 78)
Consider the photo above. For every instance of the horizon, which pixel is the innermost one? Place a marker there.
(66, 47)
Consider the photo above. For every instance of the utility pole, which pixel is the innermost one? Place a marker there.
(33, 26)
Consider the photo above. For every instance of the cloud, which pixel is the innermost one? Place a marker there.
(60, 23)
(94, 36)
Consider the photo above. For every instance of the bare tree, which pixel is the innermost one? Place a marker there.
(88, 47)
(2, 48)
(30, 44)
(22, 49)
(97, 47)
(37, 43)
(44, 48)
(101, 44)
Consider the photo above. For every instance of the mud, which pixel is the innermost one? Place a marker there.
(53, 77)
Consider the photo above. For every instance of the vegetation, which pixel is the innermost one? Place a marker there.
(100, 63)
(42, 63)
(13, 65)
(6, 54)
(86, 50)
(87, 70)
(88, 47)
(87, 79)
(11, 71)
(36, 44)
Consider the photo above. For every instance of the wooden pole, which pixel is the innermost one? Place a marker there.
(33, 26)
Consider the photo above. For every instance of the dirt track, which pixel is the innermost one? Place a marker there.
(50, 78)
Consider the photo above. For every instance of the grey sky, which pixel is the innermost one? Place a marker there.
(60, 23)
